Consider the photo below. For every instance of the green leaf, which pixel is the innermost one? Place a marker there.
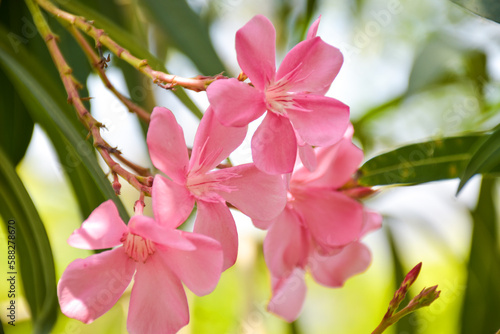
(188, 33)
(126, 40)
(36, 263)
(489, 9)
(86, 191)
(482, 293)
(16, 122)
(485, 159)
(423, 162)
(46, 104)
(430, 65)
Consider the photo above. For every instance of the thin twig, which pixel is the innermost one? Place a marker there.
(141, 183)
(168, 81)
(97, 62)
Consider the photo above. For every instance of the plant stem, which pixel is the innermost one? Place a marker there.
(386, 322)
(98, 64)
(168, 81)
(71, 85)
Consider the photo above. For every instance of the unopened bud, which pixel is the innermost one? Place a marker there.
(400, 294)
(411, 277)
(116, 184)
(426, 297)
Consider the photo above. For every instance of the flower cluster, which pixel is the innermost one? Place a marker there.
(309, 204)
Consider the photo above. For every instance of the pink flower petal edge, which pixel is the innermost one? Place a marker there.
(167, 146)
(274, 146)
(255, 49)
(102, 229)
(289, 294)
(89, 287)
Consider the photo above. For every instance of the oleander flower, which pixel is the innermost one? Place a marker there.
(298, 111)
(158, 257)
(255, 193)
(319, 230)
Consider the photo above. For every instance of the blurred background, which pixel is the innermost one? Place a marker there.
(413, 71)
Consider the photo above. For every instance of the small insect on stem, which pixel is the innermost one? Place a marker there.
(104, 60)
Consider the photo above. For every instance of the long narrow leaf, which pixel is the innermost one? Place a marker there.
(482, 294)
(485, 158)
(17, 124)
(489, 9)
(189, 34)
(36, 263)
(423, 162)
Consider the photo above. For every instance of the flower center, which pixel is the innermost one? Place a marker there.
(207, 186)
(278, 99)
(136, 247)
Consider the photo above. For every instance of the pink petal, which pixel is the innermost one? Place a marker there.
(308, 157)
(333, 219)
(103, 229)
(334, 270)
(274, 147)
(89, 287)
(336, 169)
(310, 66)
(313, 29)
(372, 221)
(158, 302)
(172, 202)
(288, 296)
(262, 224)
(257, 194)
(336, 165)
(255, 49)
(149, 229)
(167, 146)
(286, 244)
(235, 103)
(213, 143)
(214, 220)
(198, 269)
(325, 123)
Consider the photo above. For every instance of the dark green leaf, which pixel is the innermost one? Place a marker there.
(112, 10)
(423, 162)
(482, 293)
(47, 107)
(485, 158)
(188, 33)
(489, 9)
(86, 191)
(17, 125)
(35, 263)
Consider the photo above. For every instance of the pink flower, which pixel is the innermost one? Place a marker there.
(162, 258)
(319, 230)
(298, 111)
(256, 194)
